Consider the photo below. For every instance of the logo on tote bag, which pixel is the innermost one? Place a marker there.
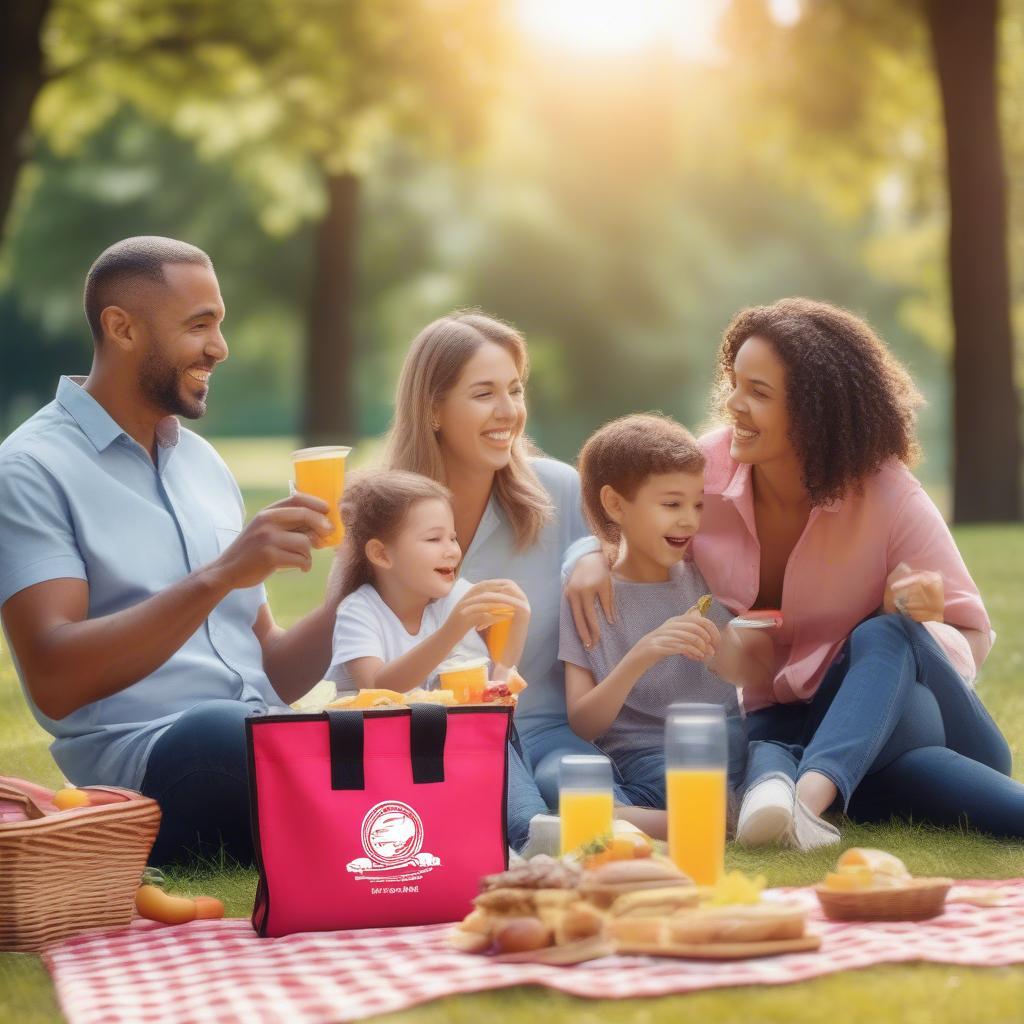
(392, 839)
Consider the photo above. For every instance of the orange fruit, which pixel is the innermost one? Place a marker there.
(66, 799)
(879, 861)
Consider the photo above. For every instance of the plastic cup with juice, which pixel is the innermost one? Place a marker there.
(696, 757)
(321, 472)
(586, 807)
(497, 635)
(466, 678)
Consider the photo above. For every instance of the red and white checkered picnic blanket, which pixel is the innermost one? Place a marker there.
(217, 972)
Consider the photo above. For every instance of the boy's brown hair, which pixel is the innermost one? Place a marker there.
(374, 507)
(624, 454)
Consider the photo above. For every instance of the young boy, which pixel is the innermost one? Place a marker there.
(642, 480)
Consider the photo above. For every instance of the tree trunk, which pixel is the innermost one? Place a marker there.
(987, 448)
(329, 415)
(21, 78)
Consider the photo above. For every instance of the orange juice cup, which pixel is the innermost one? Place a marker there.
(696, 756)
(497, 635)
(467, 679)
(321, 472)
(586, 807)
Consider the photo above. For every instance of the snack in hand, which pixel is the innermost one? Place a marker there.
(702, 606)
(874, 885)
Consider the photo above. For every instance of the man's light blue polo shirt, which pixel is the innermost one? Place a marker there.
(80, 498)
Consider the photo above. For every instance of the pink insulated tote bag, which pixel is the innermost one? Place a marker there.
(367, 819)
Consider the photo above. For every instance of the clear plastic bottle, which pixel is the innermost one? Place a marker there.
(696, 761)
(585, 800)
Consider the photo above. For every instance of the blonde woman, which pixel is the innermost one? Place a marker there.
(460, 418)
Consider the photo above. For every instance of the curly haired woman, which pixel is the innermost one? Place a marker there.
(811, 508)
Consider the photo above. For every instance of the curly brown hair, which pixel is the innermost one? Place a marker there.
(624, 454)
(851, 403)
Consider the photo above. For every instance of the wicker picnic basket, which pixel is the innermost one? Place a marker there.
(916, 900)
(64, 872)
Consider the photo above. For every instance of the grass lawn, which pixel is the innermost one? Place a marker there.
(925, 993)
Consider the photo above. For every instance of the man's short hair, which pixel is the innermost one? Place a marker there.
(129, 261)
(625, 454)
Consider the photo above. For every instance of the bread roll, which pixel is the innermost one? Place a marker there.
(629, 931)
(637, 872)
(580, 921)
(603, 885)
(468, 942)
(660, 902)
(762, 922)
(521, 935)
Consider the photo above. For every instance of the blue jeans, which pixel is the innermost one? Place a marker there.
(899, 733)
(198, 773)
(545, 745)
(643, 769)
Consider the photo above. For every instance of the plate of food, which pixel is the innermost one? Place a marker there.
(729, 921)
(559, 912)
(533, 913)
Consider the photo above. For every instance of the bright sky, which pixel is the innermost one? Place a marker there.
(612, 27)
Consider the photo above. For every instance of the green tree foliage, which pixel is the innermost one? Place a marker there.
(298, 95)
(874, 98)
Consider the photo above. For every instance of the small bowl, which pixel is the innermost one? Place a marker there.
(915, 900)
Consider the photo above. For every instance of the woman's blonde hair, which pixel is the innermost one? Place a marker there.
(374, 507)
(431, 368)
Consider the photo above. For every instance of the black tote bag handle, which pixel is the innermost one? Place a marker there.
(428, 728)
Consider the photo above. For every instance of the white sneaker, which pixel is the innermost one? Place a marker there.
(811, 832)
(767, 812)
(545, 836)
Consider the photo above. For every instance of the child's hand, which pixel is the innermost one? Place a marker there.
(690, 635)
(475, 610)
(515, 599)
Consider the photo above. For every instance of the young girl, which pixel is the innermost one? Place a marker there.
(403, 610)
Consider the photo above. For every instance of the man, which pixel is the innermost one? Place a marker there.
(131, 589)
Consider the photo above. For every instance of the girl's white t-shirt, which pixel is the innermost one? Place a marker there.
(365, 627)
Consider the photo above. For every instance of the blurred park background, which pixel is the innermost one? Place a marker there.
(616, 178)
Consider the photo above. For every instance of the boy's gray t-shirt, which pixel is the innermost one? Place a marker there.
(640, 608)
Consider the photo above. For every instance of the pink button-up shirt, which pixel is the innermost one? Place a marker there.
(836, 573)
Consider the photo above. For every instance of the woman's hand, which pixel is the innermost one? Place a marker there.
(690, 635)
(919, 595)
(591, 581)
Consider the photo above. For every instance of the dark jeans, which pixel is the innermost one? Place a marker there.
(198, 774)
(643, 769)
(899, 733)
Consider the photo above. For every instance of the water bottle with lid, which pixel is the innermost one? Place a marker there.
(585, 800)
(696, 763)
